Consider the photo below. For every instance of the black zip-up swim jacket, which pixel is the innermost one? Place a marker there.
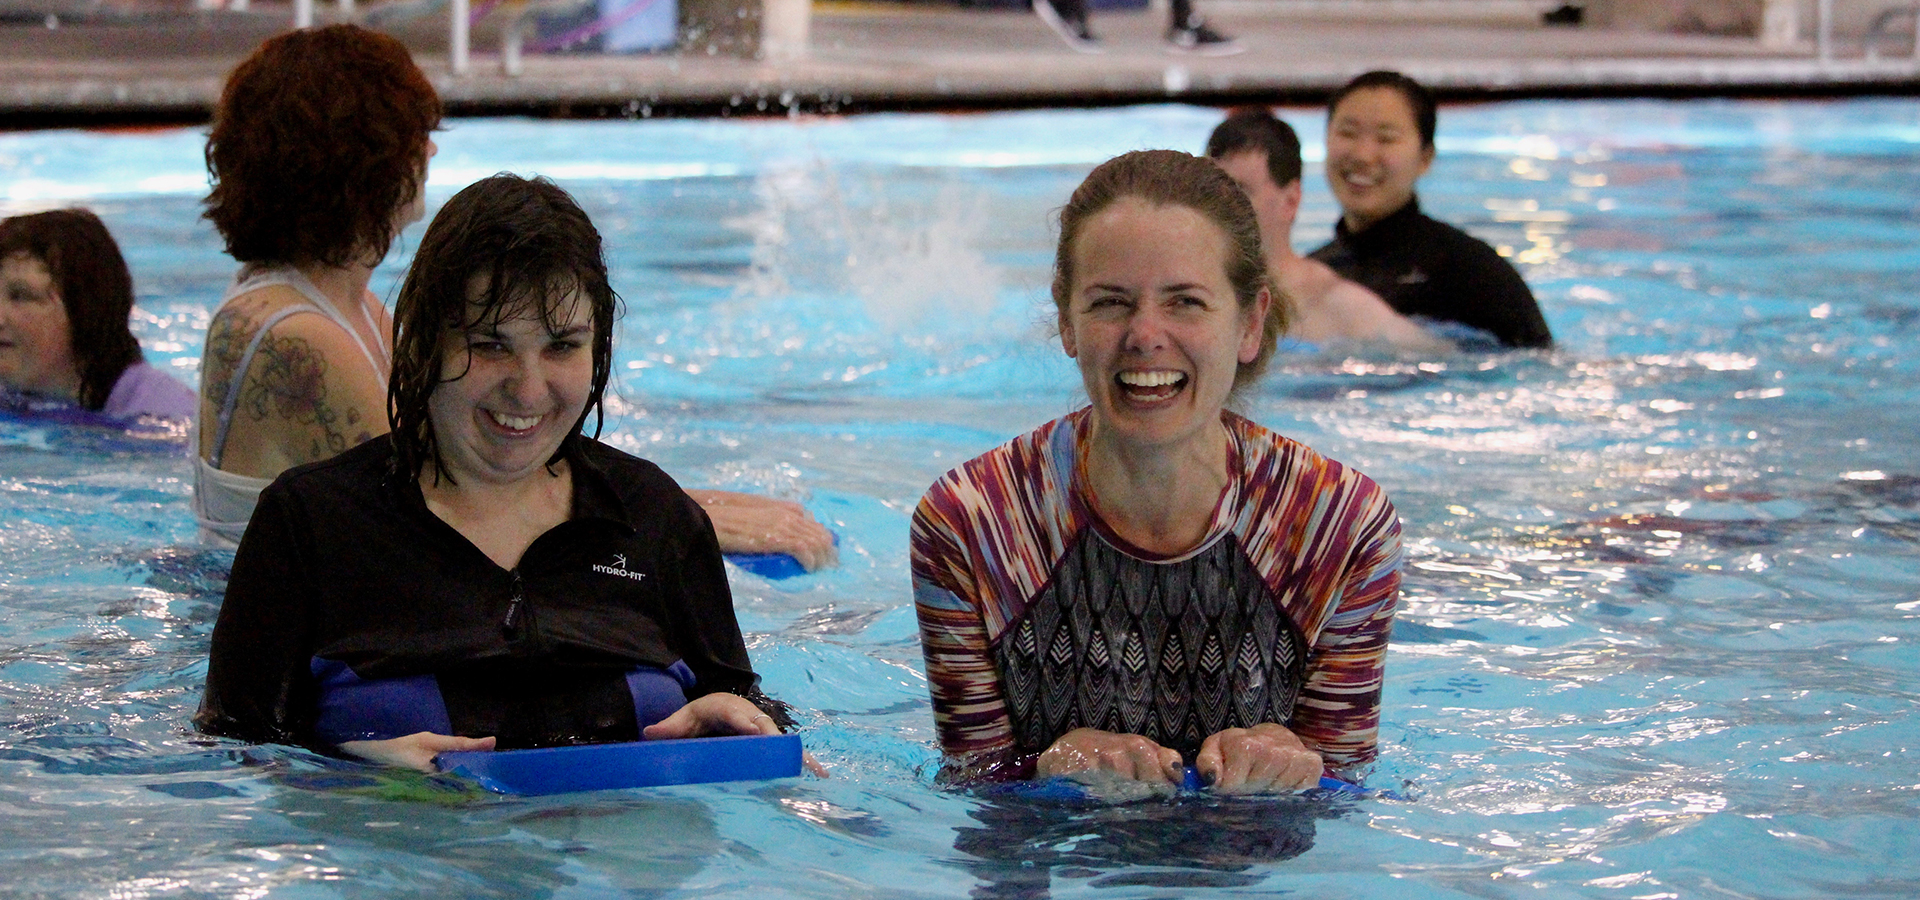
(344, 574)
(1428, 269)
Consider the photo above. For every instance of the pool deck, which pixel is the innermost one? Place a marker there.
(865, 56)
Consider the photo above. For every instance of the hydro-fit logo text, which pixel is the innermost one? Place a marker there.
(619, 568)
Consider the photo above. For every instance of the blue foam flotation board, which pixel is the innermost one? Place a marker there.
(772, 565)
(768, 565)
(602, 767)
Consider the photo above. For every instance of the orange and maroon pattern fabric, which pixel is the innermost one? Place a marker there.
(989, 537)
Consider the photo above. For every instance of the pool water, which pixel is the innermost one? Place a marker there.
(1658, 638)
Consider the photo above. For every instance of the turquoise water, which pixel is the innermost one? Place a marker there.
(1658, 638)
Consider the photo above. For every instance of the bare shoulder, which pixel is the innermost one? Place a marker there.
(1355, 298)
(308, 393)
(244, 314)
(1307, 281)
(233, 327)
(1371, 319)
(1331, 309)
(1328, 308)
(380, 314)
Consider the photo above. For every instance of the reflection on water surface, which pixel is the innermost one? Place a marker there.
(1658, 636)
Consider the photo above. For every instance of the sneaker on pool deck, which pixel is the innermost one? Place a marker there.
(1196, 38)
(1073, 31)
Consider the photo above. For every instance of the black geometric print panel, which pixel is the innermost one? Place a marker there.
(1170, 651)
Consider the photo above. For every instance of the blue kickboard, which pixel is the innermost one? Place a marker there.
(604, 767)
(772, 565)
(768, 565)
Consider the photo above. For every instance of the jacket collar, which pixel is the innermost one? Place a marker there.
(1387, 230)
(593, 493)
(594, 498)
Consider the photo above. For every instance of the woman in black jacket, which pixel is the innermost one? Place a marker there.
(486, 576)
(1379, 142)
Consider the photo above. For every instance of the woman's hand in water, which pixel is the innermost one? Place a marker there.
(1090, 751)
(713, 715)
(1266, 757)
(415, 751)
(748, 523)
(718, 715)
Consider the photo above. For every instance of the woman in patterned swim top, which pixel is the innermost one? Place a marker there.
(1154, 581)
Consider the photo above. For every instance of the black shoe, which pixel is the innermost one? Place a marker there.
(1074, 31)
(1567, 14)
(1196, 38)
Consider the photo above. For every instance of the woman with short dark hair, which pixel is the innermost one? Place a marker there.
(486, 575)
(1380, 129)
(65, 296)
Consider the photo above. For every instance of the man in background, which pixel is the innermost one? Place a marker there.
(1262, 154)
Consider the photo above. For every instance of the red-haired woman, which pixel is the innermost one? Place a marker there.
(318, 155)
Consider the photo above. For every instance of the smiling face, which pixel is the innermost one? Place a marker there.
(1374, 155)
(511, 391)
(36, 340)
(1153, 321)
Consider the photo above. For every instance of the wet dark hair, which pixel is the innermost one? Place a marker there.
(1173, 178)
(1417, 97)
(319, 138)
(1257, 129)
(535, 246)
(94, 286)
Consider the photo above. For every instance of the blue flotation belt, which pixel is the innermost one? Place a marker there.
(352, 708)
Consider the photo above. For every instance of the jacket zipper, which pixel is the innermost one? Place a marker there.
(512, 622)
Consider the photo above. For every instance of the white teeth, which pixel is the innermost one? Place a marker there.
(517, 423)
(1158, 378)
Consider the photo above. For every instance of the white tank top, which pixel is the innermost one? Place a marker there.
(223, 501)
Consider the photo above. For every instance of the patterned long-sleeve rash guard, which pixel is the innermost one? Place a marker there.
(1036, 618)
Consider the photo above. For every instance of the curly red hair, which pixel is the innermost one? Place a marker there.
(319, 138)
